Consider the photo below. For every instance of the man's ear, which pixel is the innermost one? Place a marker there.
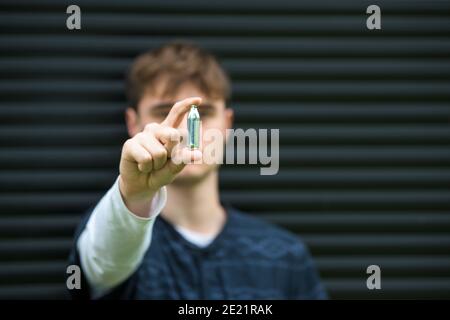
(132, 121)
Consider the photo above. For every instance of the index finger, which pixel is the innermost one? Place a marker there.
(178, 111)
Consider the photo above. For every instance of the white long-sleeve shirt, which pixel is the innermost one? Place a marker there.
(114, 241)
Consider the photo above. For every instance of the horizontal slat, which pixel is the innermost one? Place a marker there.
(239, 68)
(233, 46)
(220, 24)
(360, 156)
(275, 113)
(62, 224)
(261, 200)
(108, 157)
(400, 267)
(32, 272)
(378, 221)
(339, 288)
(358, 134)
(241, 179)
(100, 157)
(47, 202)
(103, 135)
(342, 112)
(379, 244)
(38, 226)
(412, 288)
(340, 178)
(332, 90)
(63, 135)
(236, 6)
(34, 291)
(407, 266)
(63, 180)
(37, 249)
(57, 112)
(319, 90)
(363, 244)
(267, 200)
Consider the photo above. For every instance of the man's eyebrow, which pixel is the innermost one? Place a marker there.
(162, 106)
(205, 106)
(166, 106)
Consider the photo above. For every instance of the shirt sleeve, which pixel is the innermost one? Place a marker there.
(114, 241)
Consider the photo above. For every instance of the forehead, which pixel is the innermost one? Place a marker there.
(154, 96)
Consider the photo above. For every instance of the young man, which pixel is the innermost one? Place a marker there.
(161, 231)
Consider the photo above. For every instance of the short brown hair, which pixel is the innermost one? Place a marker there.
(178, 62)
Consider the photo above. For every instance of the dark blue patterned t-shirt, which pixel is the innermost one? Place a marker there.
(249, 259)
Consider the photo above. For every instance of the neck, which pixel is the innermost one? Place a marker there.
(196, 207)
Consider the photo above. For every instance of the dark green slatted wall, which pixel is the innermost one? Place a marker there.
(364, 120)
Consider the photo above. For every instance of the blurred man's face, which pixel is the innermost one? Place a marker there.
(213, 115)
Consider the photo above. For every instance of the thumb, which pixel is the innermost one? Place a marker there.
(174, 165)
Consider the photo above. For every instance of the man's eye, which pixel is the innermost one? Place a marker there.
(160, 114)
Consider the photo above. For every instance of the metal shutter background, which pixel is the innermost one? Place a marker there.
(364, 119)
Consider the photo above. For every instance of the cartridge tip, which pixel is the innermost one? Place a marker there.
(193, 125)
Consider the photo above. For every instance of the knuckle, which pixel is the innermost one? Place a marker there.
(144, 137)
(151, 126)
(138, 136)
(171, 134)
(174, 134)
(147, 158)
(160, 153)
(127, 145)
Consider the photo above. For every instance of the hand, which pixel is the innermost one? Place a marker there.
(145, 164)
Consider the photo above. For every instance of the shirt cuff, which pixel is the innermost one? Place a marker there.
(158, 203)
